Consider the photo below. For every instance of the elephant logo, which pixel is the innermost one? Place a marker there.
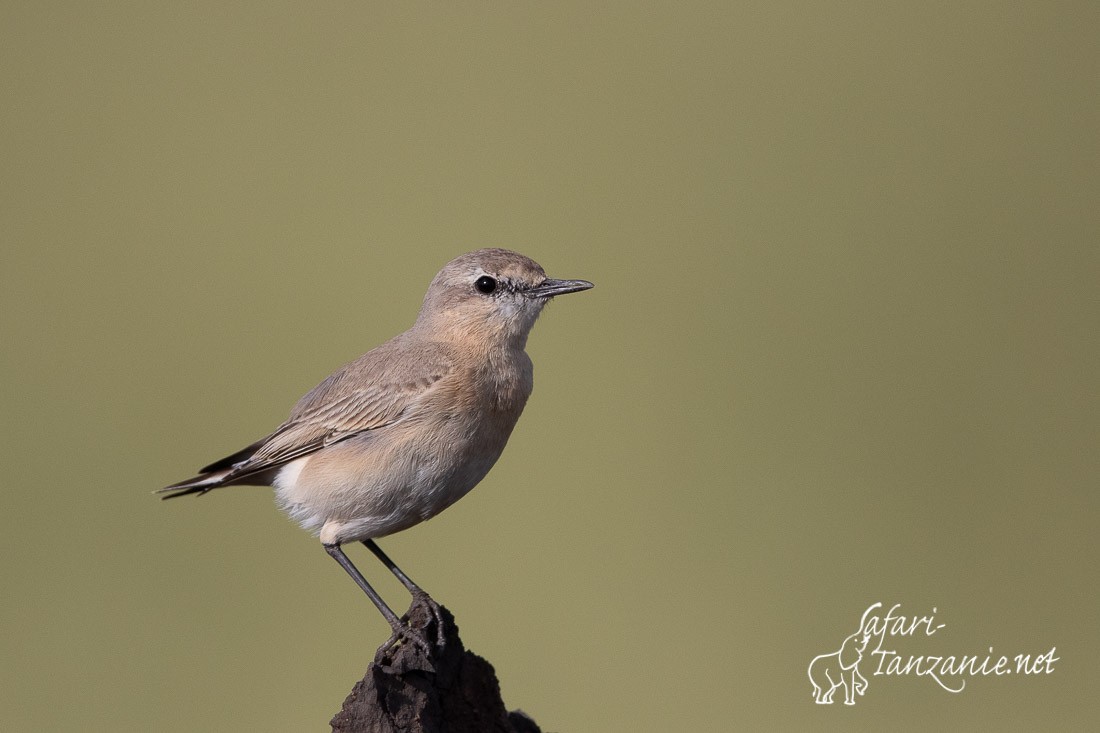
(827, 672)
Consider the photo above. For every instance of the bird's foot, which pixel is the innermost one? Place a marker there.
(403, 634)
(423, 601)
(413, 627)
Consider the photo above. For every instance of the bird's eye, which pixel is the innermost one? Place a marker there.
(485, 284)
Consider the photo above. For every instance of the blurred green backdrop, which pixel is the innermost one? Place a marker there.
(842, 349)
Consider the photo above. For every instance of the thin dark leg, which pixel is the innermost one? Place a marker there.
(345, 563)
(405, 581)
(418, 593)
(400, 630)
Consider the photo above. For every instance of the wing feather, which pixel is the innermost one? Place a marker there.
(367, 394)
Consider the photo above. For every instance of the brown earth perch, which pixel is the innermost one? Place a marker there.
(446, 690)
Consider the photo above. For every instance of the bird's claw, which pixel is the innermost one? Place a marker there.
(406, 633)
(420, 598)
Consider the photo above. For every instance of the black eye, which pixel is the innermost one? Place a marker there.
(486, 284)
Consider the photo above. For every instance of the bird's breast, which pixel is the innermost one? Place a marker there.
(387, 479)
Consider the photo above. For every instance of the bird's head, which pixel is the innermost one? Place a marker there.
(491, 296)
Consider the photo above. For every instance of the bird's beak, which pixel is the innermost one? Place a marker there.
(550, 287)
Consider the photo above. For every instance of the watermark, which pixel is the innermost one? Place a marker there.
(872, 651)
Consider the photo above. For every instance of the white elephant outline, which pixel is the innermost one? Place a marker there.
(840, 668)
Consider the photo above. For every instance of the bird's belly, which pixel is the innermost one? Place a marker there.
(378, 483)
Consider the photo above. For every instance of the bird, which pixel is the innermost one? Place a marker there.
(396, 436)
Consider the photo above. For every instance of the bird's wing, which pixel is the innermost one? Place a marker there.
(367, 394)
(365, 409)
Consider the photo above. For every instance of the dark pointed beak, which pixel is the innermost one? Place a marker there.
(550, 287)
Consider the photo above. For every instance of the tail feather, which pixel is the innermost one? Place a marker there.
(228, 470)
(231, 461)
(197, 485)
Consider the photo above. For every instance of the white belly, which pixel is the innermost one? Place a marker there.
(363, 488)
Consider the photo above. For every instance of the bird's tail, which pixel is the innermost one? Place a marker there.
(225, 472)
(197, 485)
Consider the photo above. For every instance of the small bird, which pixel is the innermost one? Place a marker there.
(407, 429)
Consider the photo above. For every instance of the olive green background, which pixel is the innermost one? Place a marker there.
(842, 349)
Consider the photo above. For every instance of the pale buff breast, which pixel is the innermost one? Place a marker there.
(386, 480)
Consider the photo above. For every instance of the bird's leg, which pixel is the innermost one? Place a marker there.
(400, 630)
(418, 593)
